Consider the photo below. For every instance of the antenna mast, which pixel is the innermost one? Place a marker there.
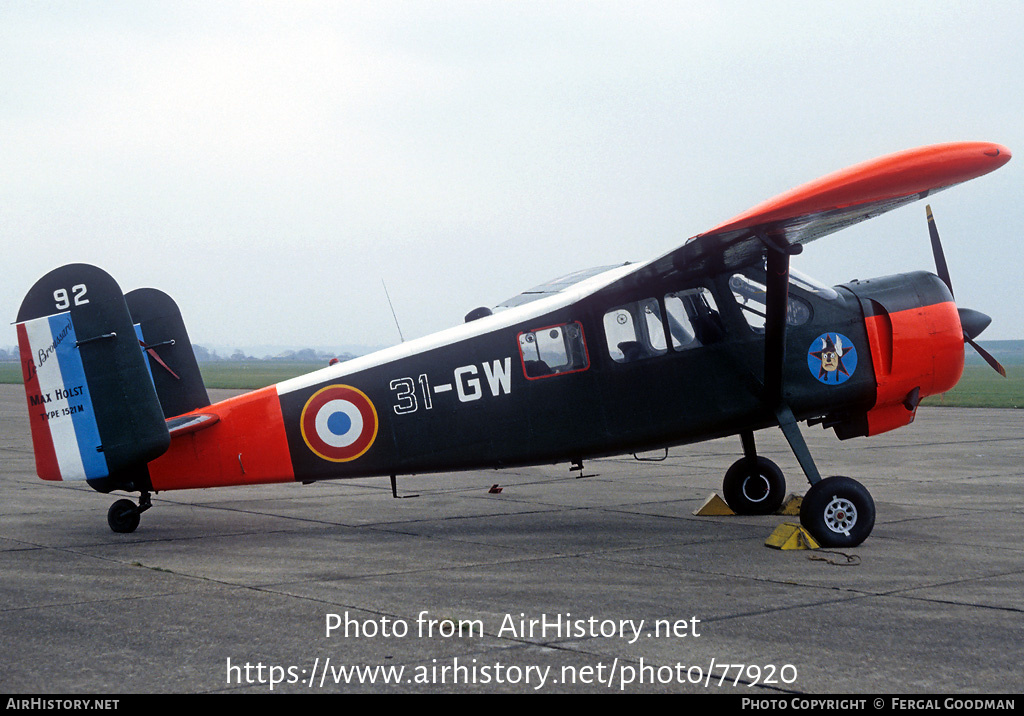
(392, 310)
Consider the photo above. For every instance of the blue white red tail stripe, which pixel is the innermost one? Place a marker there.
(64, 429)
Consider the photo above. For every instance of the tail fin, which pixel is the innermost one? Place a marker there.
(93, 410)
(172, 362)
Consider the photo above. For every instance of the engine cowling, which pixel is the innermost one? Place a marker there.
(917, 347)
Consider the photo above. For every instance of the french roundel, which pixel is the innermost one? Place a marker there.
(339, 423)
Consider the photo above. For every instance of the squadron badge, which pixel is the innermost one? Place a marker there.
(832, 358)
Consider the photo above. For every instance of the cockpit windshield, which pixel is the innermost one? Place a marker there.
(811, 285)
(752, 297)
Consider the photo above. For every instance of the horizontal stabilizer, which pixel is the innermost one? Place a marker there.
(185, 424)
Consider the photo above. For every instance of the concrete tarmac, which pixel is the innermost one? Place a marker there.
(555, 584)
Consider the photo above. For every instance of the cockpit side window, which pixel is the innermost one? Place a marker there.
(634, 331)
(645, 328)
(693, 318)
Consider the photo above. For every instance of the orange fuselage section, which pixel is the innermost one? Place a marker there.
(246, 446)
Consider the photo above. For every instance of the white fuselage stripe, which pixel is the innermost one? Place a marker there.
(450, 336)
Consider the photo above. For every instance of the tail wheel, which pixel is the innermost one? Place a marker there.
(123, 516)
(838, 512)
(754, 486)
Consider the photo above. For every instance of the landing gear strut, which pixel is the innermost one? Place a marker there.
(123, 516)
(838, 511)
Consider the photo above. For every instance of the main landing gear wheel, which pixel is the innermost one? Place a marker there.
(838, 512)
(754, 486)
(123, 516)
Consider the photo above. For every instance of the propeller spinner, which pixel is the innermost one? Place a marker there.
(973, 322)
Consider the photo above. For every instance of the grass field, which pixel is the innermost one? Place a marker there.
(226, 374)
(980, 387)
(10, 373)
(254, 374)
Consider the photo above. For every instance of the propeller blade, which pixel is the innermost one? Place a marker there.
(972, 322)
(987, 356)
(940, 258)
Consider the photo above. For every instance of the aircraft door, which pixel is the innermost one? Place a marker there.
(662, 375)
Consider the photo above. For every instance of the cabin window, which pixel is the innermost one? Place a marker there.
(634, 331)
(693, 318)
(751, 297)
(554, 350)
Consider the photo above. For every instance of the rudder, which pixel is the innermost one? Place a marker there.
(173, 367)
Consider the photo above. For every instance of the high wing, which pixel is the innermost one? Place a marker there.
(826, 205)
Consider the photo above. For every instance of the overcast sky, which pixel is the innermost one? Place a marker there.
(269, 163)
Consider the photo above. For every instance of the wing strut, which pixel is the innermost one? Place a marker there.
(777, 304)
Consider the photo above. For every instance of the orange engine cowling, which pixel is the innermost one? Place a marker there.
(917, 345)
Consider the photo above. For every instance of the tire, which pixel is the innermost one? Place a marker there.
(123, 516)
(838, 512)
(754, 486)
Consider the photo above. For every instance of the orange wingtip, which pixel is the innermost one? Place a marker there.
(903, 174)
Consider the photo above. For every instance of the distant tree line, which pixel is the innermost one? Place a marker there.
(305, 355)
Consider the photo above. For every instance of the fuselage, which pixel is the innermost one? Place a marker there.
(599, 368)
